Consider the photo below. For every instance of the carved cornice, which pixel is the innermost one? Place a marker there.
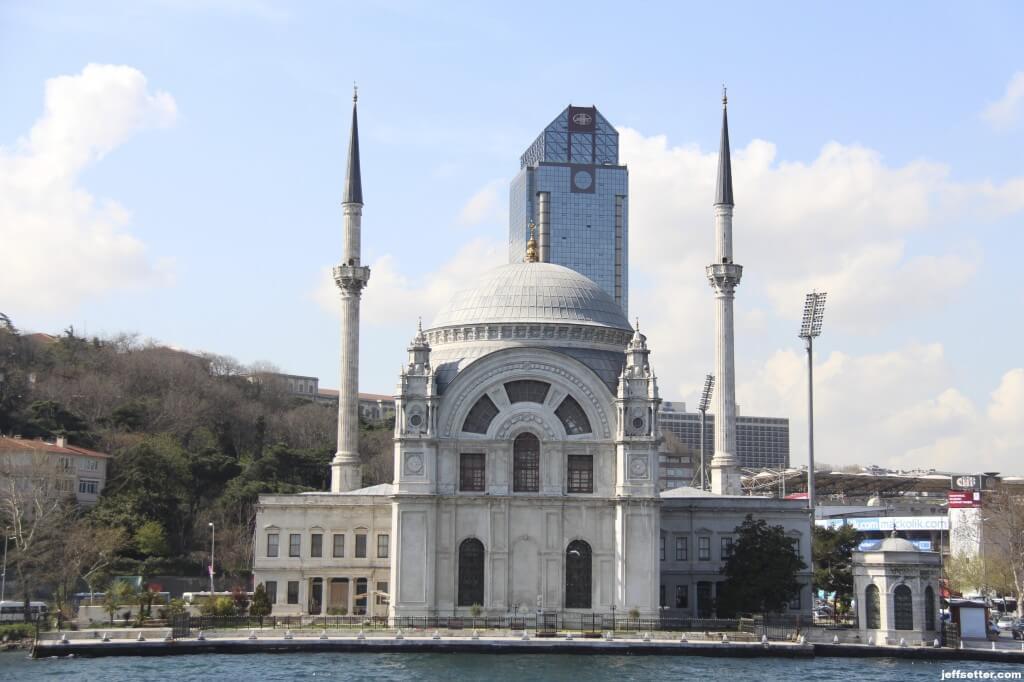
(351, 279)
(724, 277)
(527, 331)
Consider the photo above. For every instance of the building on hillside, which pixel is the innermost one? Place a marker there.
(373, 407)
(295, 385)
(68, 468)
(761, 442)
(572, 187)
(527, 439)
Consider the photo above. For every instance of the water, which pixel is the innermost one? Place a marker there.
(449, 667)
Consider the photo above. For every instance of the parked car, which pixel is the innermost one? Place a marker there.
(1005, 623)
(1018, 629)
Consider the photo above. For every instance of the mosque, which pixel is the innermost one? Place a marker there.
(526, 450)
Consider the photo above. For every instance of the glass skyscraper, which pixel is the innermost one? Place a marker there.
(570, 184)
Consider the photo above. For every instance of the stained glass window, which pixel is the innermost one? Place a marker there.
(480, 416)
(471, 572)
(527, 391)
(574, 419)
(577, 575)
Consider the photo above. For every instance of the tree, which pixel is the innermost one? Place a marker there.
(151, 540)
(261, 605)
(118, 592)
(761, 572)
(87, 552)
(832, 556)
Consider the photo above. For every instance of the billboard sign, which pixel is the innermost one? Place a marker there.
(889, 523)
(965, 482)
(964, 499)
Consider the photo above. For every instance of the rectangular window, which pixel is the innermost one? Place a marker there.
(471, 472)
(682, 596)
(294, 544)
(682, 549)
(661, 548)
(339, 545)
(89, 464)
(89, 487)
(581, 474)
(359, 608)
(272, 542)
(382, 593)
(316, 545)
(383, 546)
(271, 587)
(704, 549)
(360, 545)
(726, 548)
(293, 591)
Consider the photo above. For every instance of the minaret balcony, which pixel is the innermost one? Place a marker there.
(724, 275)
(349, 277)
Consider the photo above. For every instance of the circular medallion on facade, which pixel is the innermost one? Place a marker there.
(638, 467)
(415, 420)
(582, 179)
(638, 423)
(414, 464)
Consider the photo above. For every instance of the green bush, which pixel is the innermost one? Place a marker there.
(17, 631)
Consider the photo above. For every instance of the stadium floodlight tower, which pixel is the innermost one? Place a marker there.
(702, 407)
(814, 313)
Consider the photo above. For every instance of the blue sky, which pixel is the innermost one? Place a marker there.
(186, 186)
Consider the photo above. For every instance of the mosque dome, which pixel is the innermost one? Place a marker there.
(895, 544)
(533, 293)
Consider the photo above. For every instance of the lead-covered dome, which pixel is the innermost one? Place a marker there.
(532, 293)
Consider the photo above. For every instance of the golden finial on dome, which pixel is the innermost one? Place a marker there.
(531, 246)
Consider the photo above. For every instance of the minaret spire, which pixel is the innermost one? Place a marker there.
(353, 179)
(723, 189)
(350, 276)
(724, 276)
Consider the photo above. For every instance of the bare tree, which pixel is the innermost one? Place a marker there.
(1003, 534)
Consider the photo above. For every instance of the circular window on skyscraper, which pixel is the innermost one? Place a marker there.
(582, 179)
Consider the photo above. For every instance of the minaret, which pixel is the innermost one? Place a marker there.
(350, 277)
(724, 276)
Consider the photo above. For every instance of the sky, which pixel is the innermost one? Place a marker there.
(174, 168)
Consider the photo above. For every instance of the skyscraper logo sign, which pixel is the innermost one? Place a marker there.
(582, 119)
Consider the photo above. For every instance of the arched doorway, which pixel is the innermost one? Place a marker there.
(577, 575)
(471, 572)
(902, 608)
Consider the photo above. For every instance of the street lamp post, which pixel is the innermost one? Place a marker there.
(213, 539)
(702, 407)
(814, 313)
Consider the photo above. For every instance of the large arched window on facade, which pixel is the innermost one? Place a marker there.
(929, 608)
(480, 416)
(872, 608)
(471, 572)
(526, 463)
(902, 608)
(577, 575)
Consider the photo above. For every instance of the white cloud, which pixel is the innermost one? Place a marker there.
(70, 245)
(393, 299)
(1005, 112)
(486, 205)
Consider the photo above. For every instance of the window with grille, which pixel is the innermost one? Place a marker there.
(294, 544)
(872, 607)
(704, 549)
(577, 575)
(573, 418)
(682, 549)
(903, 608)
(526, 463)
(362, 588)
(360, 545)
(480, 416)
(339, 545)
(472, 475)
(581, 474)
(527, 391)
(471, 572)
(383, 546)
(272, 544)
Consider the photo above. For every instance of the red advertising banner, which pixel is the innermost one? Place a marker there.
(964, 499)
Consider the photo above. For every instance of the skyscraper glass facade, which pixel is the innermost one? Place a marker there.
(571, 185)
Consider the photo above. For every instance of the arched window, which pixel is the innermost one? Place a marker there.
(574, 419)
(527, 391)
(872, 608)
(471, 572)
(902, 608)
(526, 463)
(480, 416)
(577, 575)
(929, 608)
